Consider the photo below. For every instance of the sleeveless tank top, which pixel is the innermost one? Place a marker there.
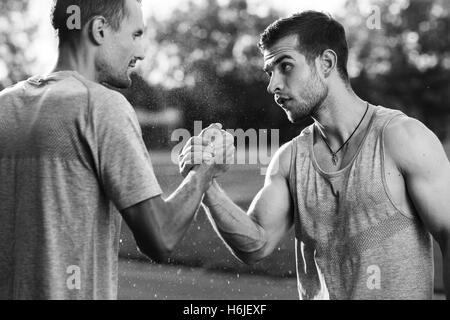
(352, 241)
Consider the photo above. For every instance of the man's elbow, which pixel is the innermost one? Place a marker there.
(251, 258)
(158, 253)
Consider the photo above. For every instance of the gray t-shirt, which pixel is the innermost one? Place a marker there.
(71, 156)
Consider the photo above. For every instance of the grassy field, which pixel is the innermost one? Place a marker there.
(202, 249)
(146, 281)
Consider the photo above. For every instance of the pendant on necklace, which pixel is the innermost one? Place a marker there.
(334, 158)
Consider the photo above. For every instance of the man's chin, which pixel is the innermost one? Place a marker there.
(291, 117)
(296, 118)
(120, 83)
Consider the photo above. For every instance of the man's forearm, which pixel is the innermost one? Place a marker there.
(243, 235)
(446, 271)
(184, 202)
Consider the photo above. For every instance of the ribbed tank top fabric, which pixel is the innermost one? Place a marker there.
(352, 240)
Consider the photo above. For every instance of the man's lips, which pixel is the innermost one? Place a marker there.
(281, 101)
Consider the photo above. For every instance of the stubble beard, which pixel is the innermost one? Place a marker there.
(316, 93)
(114, 78)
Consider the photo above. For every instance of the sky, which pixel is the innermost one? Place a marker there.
(40, 11)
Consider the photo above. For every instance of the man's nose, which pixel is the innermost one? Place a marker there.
(140, 50)
(275, 84)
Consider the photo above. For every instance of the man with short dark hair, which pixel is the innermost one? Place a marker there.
(72, 155)
(363, 186)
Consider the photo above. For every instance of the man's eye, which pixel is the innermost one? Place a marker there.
(285, 67)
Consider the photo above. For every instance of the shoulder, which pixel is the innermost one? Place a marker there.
(405, 133)
(281, 161)
(107, 108)
(103, 97)
(12, 90)
(403, 126)
(283, 157)
(112, 102)
(285, 151)
(411, 144)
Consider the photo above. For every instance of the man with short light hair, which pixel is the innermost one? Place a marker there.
(72, 156)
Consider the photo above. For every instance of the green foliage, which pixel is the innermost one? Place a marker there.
(405, 64)
(204, 60)
(16, 34)
(207, 54)
(214, 38)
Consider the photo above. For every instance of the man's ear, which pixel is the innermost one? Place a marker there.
(328, 62)
(97, 29)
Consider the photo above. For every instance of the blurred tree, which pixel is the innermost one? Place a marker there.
(156, 118)
(406, 63)
(16, 33)
(207, 53)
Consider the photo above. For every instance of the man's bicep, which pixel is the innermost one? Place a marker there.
(430, 193)
(123, 162)
(431, 199)
(422, 160)
(145, 220)
(142, 213)
(272, 208)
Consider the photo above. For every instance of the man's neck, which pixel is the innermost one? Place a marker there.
(339, 115)
(81, 61)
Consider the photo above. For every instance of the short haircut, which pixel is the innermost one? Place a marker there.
(114, 11)
(316, 32)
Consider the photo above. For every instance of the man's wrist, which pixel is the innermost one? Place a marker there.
(204, 176)
(211, 196)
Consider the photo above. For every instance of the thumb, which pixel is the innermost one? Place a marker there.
(211, 130)
(216, 126)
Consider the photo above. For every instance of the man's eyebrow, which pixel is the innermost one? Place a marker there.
(272, 65)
